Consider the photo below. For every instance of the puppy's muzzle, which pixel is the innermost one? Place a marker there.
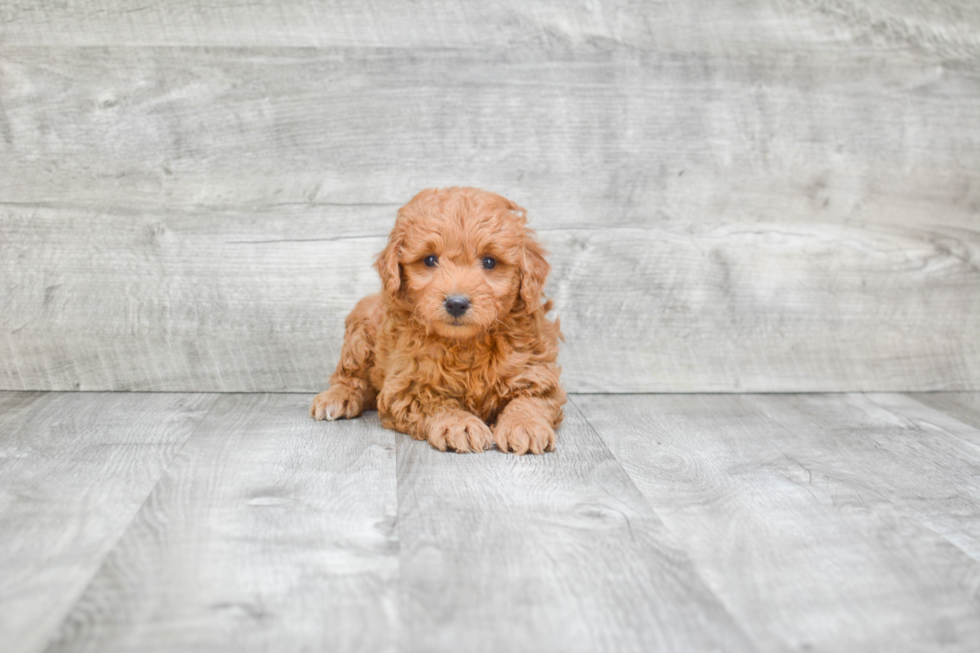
(456, 305)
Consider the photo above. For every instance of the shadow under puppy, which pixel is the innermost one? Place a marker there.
(456, 348)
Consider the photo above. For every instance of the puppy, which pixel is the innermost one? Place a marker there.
(456, 348)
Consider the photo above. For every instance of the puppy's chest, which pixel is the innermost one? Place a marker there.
(476, 375)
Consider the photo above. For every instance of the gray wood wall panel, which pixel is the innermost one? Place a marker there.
(869, 503)
(949, 26)
(74, 470)
(267, 533)
(581, 136)
(215, 300)
(170, 300)
(769, 196)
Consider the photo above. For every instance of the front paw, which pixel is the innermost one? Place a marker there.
(520, 436)
(337, 402)
(460, 431)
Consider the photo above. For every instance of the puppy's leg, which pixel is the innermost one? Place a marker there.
(528, 424)
(350, 392)
(425, 415)
(528, 421)
(459, 430)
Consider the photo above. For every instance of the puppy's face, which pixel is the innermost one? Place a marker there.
(462, 259)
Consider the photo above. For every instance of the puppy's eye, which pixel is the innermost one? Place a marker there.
(431, 260)
(489, 262)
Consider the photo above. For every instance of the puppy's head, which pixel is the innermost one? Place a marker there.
(461, 260)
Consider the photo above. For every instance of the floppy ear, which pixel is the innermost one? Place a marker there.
(388, 266)
(534, 271)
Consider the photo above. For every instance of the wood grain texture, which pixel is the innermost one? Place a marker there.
(543, 553)
(949, 27)
(226, 302)
(964, 406)
(580, 136)
(167, 301)
(269, 532)
(768, 307)
(834, 522)
(765, 196)
(74, 470)
(15, 407)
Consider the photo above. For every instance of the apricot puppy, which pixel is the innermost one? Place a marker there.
(456, 348)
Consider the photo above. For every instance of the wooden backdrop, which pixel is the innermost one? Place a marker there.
(770, 195)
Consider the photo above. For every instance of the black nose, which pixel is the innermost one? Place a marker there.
(456, 305)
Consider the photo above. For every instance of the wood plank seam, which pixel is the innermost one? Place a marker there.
(96, 569)
(697, 573)
(918, 517)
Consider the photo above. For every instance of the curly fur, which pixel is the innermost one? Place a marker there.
(465, 383)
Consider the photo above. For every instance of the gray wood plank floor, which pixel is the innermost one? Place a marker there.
(175, 522)
(74, 470)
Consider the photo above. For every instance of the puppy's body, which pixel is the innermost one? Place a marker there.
(456, 349)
